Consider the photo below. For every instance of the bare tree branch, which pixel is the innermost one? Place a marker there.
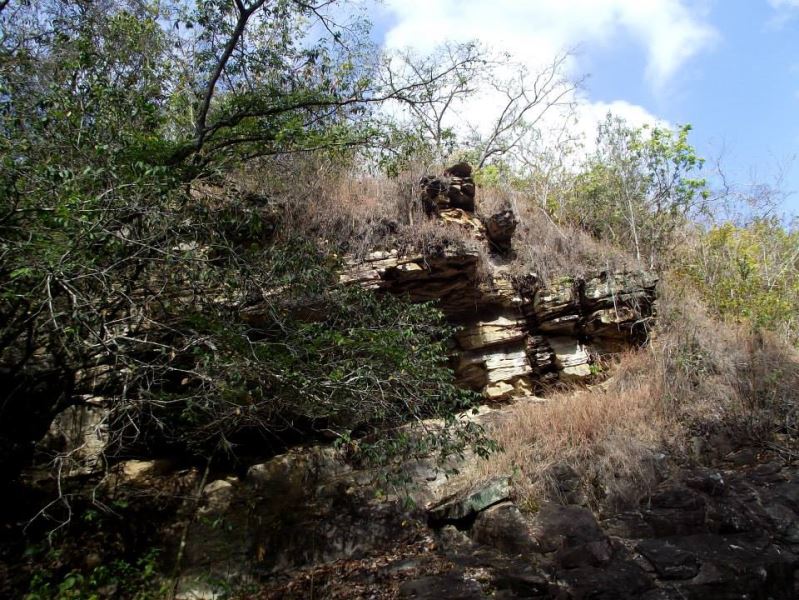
(244, 14)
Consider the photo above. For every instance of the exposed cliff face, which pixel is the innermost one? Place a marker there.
(517, 333)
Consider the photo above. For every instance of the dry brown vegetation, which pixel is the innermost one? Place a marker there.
(700, 390)
(355, 213)
(349, 211)
(546, 248)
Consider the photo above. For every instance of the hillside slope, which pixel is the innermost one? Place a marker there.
(642, 452)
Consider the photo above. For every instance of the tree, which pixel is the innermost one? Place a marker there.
(122, 284)
(451, 74)
(639, 189)
(526, 99)
(437, 122)
(255, 85)
(750, 272)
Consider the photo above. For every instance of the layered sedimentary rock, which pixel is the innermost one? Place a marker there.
(517, 333)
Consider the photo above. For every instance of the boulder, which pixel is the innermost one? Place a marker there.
(619, 579)
(608, 290)
(217, 496)
(462, 217)
(565, 484)
(451, 585)
(461, 194)
(461, 169)
(500, 228)
(465, 505)
(669, 561)
(80, 435)
(571, 358)
(521, 387)
(302, 508)
(573, 534)
(715, 566)
(482, 334)
(503, 527)
(556, 300)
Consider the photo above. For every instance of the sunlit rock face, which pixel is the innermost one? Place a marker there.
(517, 333)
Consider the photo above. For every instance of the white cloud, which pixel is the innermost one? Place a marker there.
(784, 12)
(535, 31)
(668, 32)
(589, 114)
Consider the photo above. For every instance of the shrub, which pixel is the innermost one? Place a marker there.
(120, 284)
(637, 191)
(750, 273)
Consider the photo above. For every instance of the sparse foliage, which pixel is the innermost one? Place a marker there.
(751, 272)
(638, 190)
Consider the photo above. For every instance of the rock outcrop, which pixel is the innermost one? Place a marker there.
(726, 532)
(517, 333)
(454, 189)
(308, 524)
(500, 228)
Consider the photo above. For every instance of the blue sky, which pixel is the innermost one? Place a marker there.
(728, 67)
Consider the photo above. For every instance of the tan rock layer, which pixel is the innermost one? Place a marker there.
(513, 340)
(516, 334)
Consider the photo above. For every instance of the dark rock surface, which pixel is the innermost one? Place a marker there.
(453, 189)
(702, 534)
(726, 533)
(500, 228)
(467, 505)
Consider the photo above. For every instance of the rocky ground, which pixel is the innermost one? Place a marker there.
(725, 532)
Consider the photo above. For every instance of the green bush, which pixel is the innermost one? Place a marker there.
(120, 579)
(638, 190)
(122, 282)
(751, 272)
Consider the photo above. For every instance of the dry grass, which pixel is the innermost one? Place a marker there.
(699, 379)
(352, 212)
(355, 212)
(548, 249)
(700, 387)
(723, 376)
(609, 438)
